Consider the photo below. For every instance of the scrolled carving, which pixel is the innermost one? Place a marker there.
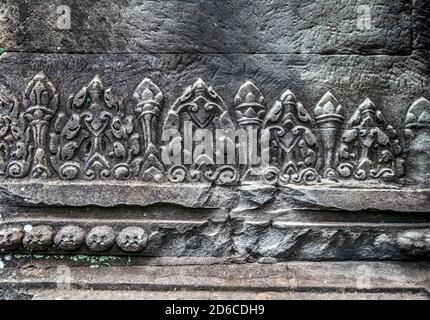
(95, 138)
(293, 145)
(199, 107)
(369, 148)
(14, 140)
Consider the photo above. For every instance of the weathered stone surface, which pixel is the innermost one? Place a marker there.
(296, 280)
(344, 118)
(392, 83)
(210, 27)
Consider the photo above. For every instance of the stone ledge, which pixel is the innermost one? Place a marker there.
(295, 280)
(330, 196)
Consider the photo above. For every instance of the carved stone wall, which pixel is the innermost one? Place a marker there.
(342, 114)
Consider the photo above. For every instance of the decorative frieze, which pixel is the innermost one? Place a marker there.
(216, 238)
(96, 136)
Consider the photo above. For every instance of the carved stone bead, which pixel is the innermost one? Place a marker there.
(38, 238)
(100, 238)
(11, 238)
(132, 239)
(69, 238)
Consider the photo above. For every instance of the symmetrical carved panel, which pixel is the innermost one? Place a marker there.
(294, 145)
(96, 136)
(199, 107)
(369, 148)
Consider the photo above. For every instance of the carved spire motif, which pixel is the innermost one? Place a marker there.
(417, 132)
(250, 109)
(40, 105)
(148, 99)
(250, 105)
(94, 139)
(369, 147)
(294, 146)
(329, 117)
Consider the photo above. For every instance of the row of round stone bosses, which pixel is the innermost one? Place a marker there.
(69, 238)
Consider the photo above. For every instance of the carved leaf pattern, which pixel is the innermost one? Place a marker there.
(96, 136)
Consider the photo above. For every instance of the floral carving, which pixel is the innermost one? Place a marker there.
(329, 117)
(369, 147)
(293, 144)
(14, 155)
(40, 105)
(95, 138)
(250, 108)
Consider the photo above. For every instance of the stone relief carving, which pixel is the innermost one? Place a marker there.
(294, 146)
(39, 238)
(369, 148)
(95, 136)
(135, 239)
(329, 117)
(148, 100)
(250, 109)
(199, 107)
(417, 132)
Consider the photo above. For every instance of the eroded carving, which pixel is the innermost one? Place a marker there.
(250, 108)
(369, 148)
(11, 238)
(417, 132)
(199, 107)
(294, 147)
(329, 117)
(132, 239)
(69, 238)
(95, 138)
(414, 242)
(100, 238)
(39, 238)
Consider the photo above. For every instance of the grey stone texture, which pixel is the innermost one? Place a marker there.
(346, 108)
(244, 26)
(203, 280)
